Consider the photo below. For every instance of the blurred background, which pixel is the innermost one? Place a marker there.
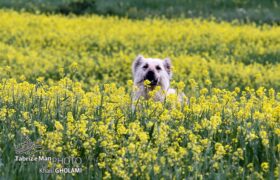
(258, 11)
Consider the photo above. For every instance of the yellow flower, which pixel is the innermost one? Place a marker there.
(252, 136)
(180, 86)
(215, 121)
(250, 167)
(220, 151)
(58, 149)
(41, 128)
(40, 79)
(265, 166)
(58, 126)
(74, 66)
(216, 166)
(276, 171)
(130, 83)
(107, 175)
(147, 83)
(208, 82)
(24, 131)
(156, 169)
(193, 84)
(203, 91)
(131, 148)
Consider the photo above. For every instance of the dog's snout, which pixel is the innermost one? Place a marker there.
(151, 77)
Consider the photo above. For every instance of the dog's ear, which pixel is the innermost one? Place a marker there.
(167, 65)
(137, 62)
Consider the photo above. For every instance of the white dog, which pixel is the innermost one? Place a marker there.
(157, 71)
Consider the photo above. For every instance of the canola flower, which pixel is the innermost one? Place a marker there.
(217, 133)
(94, 49)
(67, 82)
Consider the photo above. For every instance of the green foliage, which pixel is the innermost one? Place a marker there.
(245, 10)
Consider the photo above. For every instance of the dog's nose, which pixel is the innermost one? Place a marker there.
(151, 77)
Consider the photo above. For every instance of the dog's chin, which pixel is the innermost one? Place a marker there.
(152, 85)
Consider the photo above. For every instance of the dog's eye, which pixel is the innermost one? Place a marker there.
(158, 68)
(145, 66)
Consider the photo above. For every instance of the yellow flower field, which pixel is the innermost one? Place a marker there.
(66, 84)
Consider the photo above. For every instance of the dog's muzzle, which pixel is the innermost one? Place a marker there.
(152, 78)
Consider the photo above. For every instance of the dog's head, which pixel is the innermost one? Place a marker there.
(157, 71)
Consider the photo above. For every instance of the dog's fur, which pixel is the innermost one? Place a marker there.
(157, 71)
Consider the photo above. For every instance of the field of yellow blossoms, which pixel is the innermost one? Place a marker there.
(66, 84)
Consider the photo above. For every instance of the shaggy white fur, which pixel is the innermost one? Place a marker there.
(157, 71)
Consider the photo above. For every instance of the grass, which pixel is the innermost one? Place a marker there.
(243, 10)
